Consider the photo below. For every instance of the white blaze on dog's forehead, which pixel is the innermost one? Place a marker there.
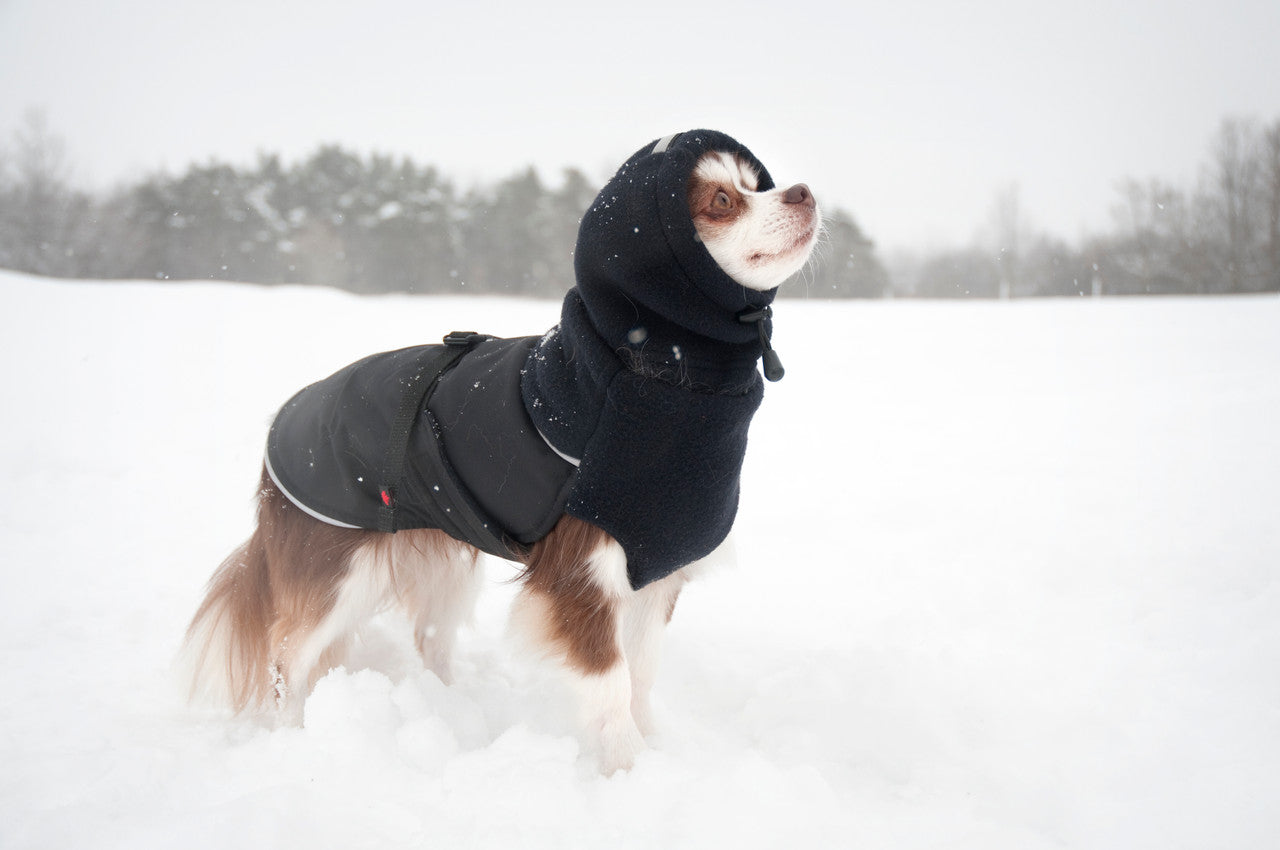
(721, 167)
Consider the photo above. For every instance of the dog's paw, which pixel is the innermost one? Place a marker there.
(620, 743)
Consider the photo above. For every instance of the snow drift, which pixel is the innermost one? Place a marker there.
(1007, 578)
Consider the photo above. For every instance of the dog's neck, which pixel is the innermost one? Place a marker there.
(568, 375)
(704, 347)
(656, 346)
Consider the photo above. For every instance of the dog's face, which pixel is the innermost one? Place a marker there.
(759, 238)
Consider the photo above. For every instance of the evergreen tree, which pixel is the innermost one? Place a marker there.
(844, 265)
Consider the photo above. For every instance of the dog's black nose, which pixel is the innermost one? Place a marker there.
(799, 194)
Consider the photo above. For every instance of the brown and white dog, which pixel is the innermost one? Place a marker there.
(282, 609)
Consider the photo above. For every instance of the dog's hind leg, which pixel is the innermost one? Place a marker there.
(571, 607)
(307, 647)
(438, 580)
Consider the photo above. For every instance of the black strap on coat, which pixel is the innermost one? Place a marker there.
(416, 393)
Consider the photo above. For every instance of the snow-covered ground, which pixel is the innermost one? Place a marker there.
(1009, 577)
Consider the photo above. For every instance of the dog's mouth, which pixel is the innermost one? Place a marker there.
(800, 244)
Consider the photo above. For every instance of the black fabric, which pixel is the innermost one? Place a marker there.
(491, 444)
(327, 446)
(413, 395)
(650, 379)
(661, 472)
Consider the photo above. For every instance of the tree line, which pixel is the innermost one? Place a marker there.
(1221, 236)
(376, 224)
(368, 224)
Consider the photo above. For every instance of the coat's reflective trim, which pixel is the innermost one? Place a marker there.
(567, 458)
(311, 512)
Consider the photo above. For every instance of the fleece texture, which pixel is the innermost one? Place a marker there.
(650, 379)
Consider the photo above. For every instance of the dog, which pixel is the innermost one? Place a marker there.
(602, 456)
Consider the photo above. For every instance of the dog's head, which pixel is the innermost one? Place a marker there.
(688, 236)
(759, 238)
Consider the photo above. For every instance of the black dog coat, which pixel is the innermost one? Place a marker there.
(468, 460)
(631, 414)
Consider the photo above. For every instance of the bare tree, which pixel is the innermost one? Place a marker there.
(1009, 229)
(1154, 249)
(1236, 177)
(42, 220)
(1271, 189)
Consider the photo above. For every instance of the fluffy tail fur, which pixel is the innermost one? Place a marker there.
(264, 600)
(225, 657)
(282, 608)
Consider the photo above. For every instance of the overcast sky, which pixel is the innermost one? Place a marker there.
(910, 115)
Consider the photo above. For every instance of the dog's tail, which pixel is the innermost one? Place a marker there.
(225, 658)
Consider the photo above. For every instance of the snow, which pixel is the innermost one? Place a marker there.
(1006, 578)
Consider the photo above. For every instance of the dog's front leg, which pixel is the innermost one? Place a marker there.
(575, 613)
(646, 615)
(605, 702)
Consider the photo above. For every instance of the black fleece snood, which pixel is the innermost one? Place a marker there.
(650, 380)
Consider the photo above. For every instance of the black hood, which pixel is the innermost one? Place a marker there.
(648, 283)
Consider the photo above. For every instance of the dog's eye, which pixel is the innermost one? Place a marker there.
(722, 201)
